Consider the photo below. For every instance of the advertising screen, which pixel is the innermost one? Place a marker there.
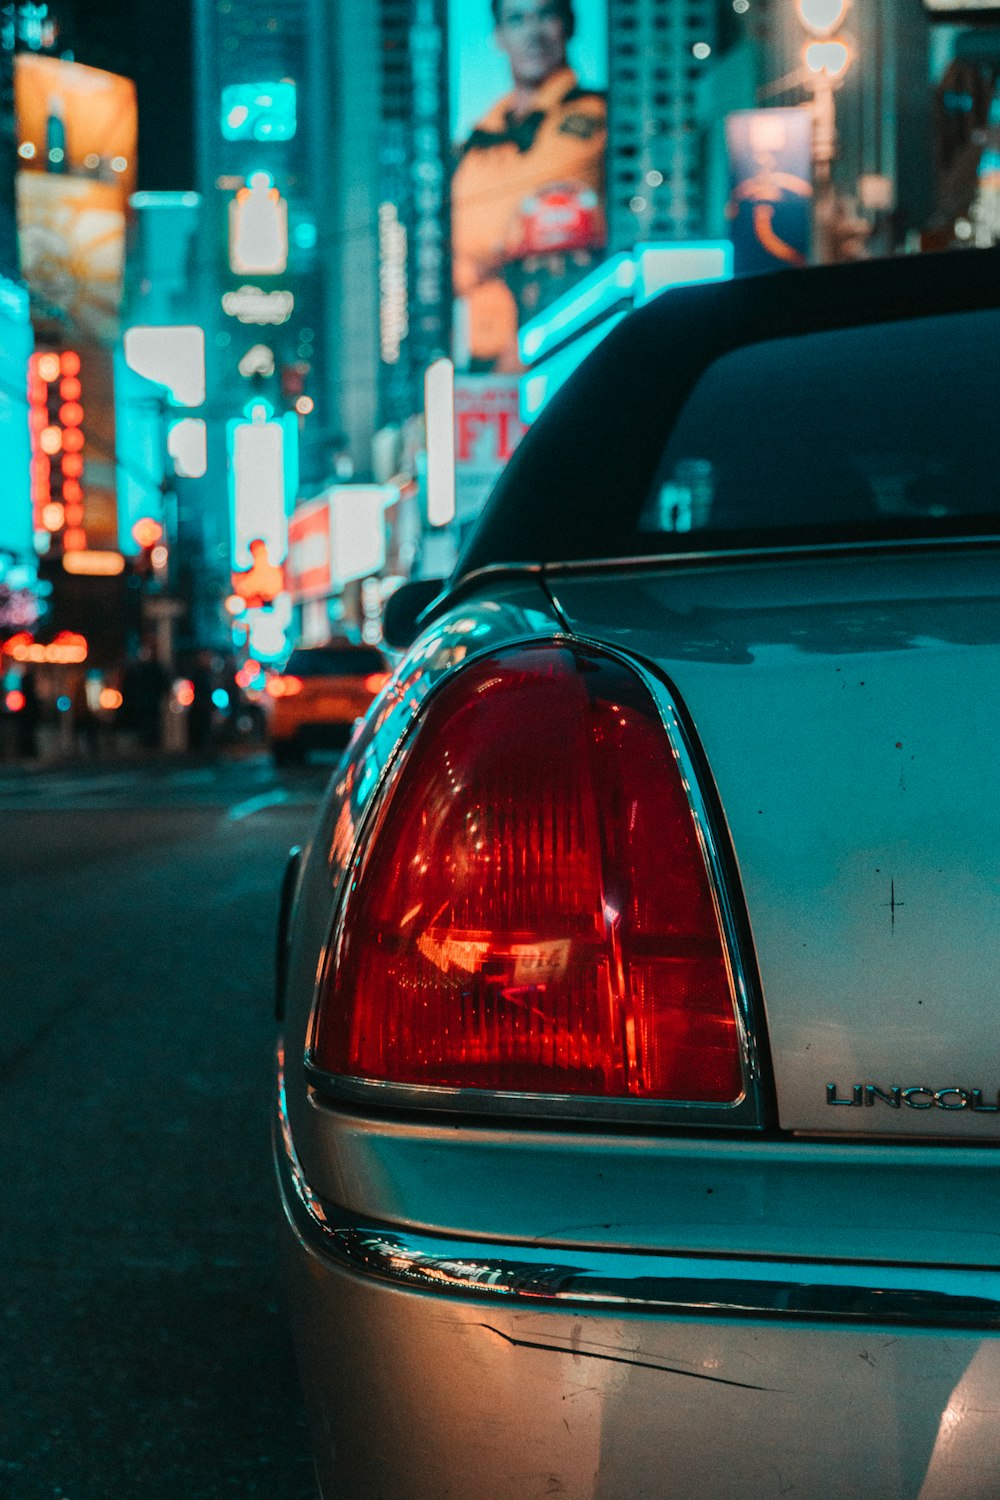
(76, 131)
(529, 135)
(770, 199)
(15, 449)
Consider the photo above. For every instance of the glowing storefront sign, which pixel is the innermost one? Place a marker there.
(94, 564)
(487, 430)
(661, 266)
(266, 632)
(258, 360)
(173, 356)
(309, 569)
(187, 444)
(259, 111)
(77, 130)
(393, 314)
(357, 528)
(263, 474)
(55, 422)
(66, 650)
(439, 407)
(555, 342)
(258, 228)
(601, 290)
(15, 439)
(251, 304)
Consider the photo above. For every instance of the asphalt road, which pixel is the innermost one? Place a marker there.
(144, 1351)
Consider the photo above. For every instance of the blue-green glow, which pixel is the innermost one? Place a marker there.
(259, 111)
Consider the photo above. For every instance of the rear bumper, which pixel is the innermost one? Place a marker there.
(759, 1286)
(482, 1371)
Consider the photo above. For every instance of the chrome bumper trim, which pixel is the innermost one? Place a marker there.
(685, 1285)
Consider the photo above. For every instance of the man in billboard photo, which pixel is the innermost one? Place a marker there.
(528, 189)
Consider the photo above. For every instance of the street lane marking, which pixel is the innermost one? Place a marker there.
(257, 804)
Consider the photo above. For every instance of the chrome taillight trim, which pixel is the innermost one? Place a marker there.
(635, 1281)
(748, 1112)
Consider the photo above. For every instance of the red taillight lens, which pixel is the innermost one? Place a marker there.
(284, 687)
(533, 913)
(376, 681)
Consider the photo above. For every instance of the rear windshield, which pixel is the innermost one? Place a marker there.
(335, 661)
(885, 427)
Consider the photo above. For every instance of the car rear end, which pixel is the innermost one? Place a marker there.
(639, 1088)
(320, 695)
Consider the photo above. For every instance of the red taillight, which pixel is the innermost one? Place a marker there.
(533, 913)
(375, 682)
(284, 687)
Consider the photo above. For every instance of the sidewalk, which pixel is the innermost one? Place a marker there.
(121, 752)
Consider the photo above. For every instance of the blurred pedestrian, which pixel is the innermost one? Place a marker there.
(27, 719)
(200, 713)
(144, 687)
(86, 726)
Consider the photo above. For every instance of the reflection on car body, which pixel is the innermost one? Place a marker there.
(677, 814)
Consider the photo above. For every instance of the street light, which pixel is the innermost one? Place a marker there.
(821, 17)
(827, 58)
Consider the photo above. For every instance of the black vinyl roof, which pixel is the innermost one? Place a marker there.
(597, 445)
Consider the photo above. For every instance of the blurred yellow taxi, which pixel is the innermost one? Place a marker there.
(319, 697)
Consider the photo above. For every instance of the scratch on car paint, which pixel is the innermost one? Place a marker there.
(892, 904)
(561, 1229)
(620, 1359)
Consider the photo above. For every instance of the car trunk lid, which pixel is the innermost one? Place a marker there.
(849, 710)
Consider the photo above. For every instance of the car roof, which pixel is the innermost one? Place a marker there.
(605, 430)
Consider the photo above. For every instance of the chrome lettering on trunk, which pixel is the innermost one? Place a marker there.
(916, 1096)
(832, 1096)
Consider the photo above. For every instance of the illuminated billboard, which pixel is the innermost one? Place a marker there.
(77, 129)
(488, 428)
(309, 568)
(259, 111)
(258, 228)
(529, 131)
(770, 196)
(15, 441)
(263, 478)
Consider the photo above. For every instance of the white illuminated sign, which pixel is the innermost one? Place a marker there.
(258, 360)
(172, 356)
(258, 459)
(357, 528)
(393, 295)
(267, 630)
(258, 229)
(439, 405)
(251, 304)
(187, 444)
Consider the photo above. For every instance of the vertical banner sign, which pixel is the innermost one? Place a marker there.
(76, 130)
(429, 298)
(770, 198)
(488, 428)
(397, 397)
(310, 566)
(18, 430)
(529, 132)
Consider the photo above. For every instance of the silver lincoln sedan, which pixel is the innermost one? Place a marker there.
(637, 1115)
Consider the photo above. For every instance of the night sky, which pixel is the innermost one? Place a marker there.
(150, 41)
